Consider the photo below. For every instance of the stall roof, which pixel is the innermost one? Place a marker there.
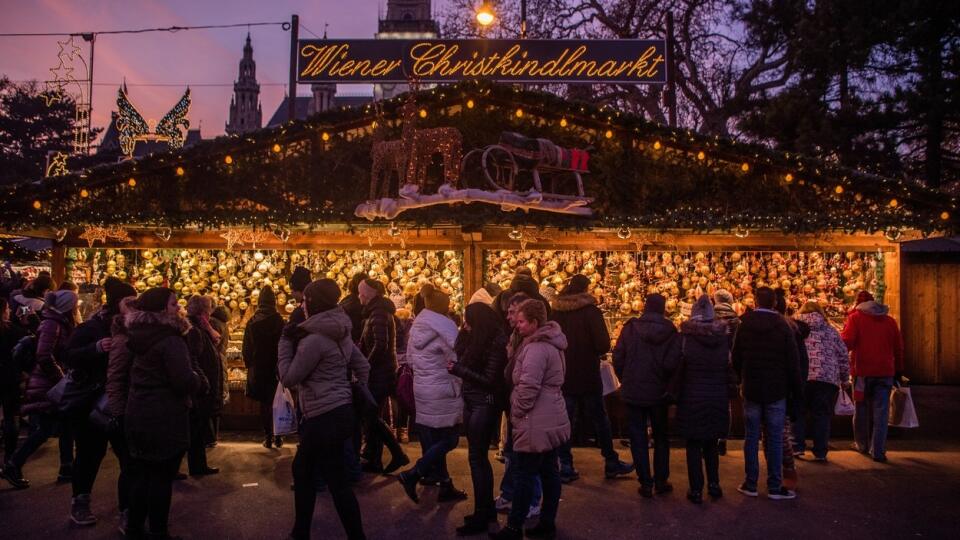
(642, 175)
(932, 245)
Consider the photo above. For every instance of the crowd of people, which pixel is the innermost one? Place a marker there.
(149, 378)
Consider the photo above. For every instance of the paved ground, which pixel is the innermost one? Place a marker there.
(915, 495)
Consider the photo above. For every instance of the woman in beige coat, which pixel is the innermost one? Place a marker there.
(538, 415)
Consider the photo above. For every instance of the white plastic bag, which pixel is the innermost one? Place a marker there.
(902, 412)
(284, 413)
(609, 377)
(845, 405)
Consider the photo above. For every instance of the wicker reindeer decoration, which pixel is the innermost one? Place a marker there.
(388, 157)
(422, 144)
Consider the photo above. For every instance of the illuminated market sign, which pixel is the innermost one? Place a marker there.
(442, 60)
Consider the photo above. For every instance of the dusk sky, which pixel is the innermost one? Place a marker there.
(194, 58)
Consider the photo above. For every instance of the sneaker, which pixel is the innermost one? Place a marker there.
(748, 490)
(534, 511)
(268, 443)
(542, 531)
(696, 497)
(617, 468)
(781, 494)
(13, 475)
(502, 505)
(714, 491)
(569, 475)
(80, 511)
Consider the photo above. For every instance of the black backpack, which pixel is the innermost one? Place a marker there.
(24, 354)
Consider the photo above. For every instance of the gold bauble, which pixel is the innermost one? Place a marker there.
(147, 254)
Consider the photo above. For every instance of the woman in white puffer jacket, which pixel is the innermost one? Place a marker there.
(437, 393)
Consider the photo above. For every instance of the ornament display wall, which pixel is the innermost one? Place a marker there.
(235, 278)
(621, 279)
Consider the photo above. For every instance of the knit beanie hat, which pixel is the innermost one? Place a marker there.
(723, 296)
(435, 300)
(267, 297)
(863, 296)
(655, 303)
(300, 279)
(321, 295)
(702, 310)
(61, 301)
(525, 284)
(117, 291)
(578, 284)
(481, 296)
(154, 300)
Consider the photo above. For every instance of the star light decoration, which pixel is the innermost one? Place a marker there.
(62, 73)
(244, 236)
(92, 234)
(58, 165)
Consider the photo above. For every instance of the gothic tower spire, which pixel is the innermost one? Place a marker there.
(245, 112)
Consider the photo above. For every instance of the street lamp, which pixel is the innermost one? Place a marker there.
(485, 15)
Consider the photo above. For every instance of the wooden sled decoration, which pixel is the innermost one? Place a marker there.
(500, 166)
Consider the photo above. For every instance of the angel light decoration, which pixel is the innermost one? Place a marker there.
(132, 127)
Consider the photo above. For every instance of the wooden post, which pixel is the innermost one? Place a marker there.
(892, 273)
(58, 263)
(294, 51)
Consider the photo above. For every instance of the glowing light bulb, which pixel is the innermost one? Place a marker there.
(945, 216)
(894, 203)
(608, 134)
(228, 160)
(276, 148)
(36, 205)
(325, 136)
(701, 155)
(745, 167)
(563, 122)
(84, 193)
(519, 113)
(657, 145)
(838, 190)
(470, 104)
(132, 182)
(423, 113)
(788, 178)
(180, 171)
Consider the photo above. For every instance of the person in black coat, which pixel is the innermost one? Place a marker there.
(203, 341)
(378, 342)
(157, 419)
(260, 340)
(766, 359)
(704, 388)
(588, 340)
(352, 305)
(87, 354)
(481, 349)
(11, 377)
(645, 357)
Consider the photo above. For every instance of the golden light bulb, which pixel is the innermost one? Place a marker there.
(180, 171)
(470, 103)
(657, 145)
(36, 205)
(945, 215)
(132, 182)
(485, 15)
(894, 203)
(84, 193)
(325, 136)
(745, 167)
(788, 178)
(701, 155)
(608, 134)
(276, 148)
(838, 190)
(423, 113)
(228, 160)
(519, 113)
(563, 122)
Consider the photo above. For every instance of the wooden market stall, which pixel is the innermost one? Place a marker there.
(461, 185)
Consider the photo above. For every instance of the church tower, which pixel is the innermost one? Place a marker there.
(245, 112)
(406, 19)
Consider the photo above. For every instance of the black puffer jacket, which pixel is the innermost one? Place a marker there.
(260, 341)
(82, 353)
(378, 342)
(646, 355)
(206, 358)
(587, 341)
(162, 379)
(702, 408)
(766, 358)
(354, 309)
(483, 378)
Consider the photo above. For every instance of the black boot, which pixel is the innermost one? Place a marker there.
(696, 497)
(13, 475)
(268, 442)
(408, 479)
(278, 442)
(474, 524)
(507, 533)
(448, 493)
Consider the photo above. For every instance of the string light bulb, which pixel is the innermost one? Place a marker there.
(838, 190)
(657, 145)
(180, 171)
(519, 113)
(228, 160)
(788, 178)
(608, 134)
(470, 104)
(84, 193)
(745, 167)
(36, 205)
(701, 155)
(423, 113)
(894, 203)
(276, 148)
(132, 182)
(563, 122)
(325, 136)
(945, 215)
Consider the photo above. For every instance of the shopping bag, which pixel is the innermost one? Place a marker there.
(611, 383)
(902, 412)
(844, 405)
(284, 413)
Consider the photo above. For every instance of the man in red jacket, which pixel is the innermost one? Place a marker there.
(876, 359)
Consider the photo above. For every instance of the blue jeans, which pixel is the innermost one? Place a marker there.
(772, 416)
(438, 443)
(601, 426)
(531, 467)
(508, 484)
(872, 414)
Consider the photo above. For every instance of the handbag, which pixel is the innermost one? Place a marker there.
(844, 405)
(101, 419)
(74, 393)
(405, 395)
